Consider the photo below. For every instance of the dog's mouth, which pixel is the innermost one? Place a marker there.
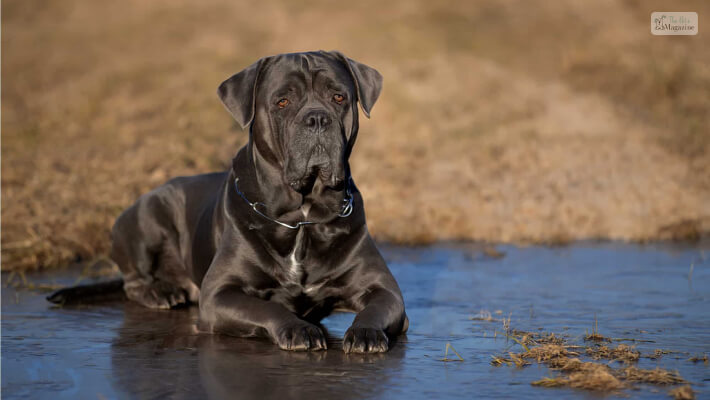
(305, 184)
(322, 173)
(320, 181)
(322, 193)
(320, 168)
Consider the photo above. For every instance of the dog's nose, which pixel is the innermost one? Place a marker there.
(317, 121)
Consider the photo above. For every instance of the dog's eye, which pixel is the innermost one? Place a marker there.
(282, 103)
(338, 98)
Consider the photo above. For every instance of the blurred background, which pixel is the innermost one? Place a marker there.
(513, 121)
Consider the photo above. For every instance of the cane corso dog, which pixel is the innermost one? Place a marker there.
(279, 241)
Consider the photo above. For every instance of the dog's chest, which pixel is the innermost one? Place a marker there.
(298, 253)
(297, 269)
(294, 261)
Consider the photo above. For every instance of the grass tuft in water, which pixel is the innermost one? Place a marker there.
(446, 354)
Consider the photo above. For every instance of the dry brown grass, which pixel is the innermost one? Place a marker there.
(622, 353)
(596, 337)
(512, 359)
(548, 353)
(594, 376)
(512, 122)
(577, 374)
(658, 376)
(528, 339)
(699, 358)
(590, 376)
(658, 353)
(559, 356)
(682, 393)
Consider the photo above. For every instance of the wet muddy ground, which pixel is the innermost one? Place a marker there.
(648, 293)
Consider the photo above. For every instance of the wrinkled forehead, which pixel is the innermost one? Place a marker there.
(306, 71)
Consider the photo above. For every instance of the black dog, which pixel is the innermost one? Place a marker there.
(278, 242)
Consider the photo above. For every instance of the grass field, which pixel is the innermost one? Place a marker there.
(510, 121)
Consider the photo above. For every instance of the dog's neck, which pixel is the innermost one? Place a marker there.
(261, 180)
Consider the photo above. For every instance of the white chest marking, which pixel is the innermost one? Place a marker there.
(305, 209)
(294, 270)
(312, 288)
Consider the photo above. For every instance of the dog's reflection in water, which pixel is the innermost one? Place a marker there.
(160, 354)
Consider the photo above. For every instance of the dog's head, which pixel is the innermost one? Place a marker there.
(302, 110)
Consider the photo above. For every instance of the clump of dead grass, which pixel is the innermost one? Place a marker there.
(657, 376)
(599, 377)
(682, 393)
(548, 352)
(595, 336)
(658, 353)
(536, 338)
(622, 353)
(579, 374)
(699, 358)
(589, 376)
(512, 359)
(525, 338)
(554, 352)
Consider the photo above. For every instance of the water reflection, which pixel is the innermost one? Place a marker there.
(160, 354)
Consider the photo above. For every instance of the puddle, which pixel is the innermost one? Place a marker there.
(120, 350)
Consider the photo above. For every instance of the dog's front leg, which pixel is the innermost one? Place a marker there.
(230, 311)
(382, 316)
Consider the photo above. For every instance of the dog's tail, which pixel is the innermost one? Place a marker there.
(91, 293)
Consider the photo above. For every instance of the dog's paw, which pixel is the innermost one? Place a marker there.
(158, 294)
(300, 336)
(365, 340)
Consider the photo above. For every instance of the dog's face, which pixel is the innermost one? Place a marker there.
(303, 111)
(307, 101)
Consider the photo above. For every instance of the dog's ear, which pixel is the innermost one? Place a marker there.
(368, 82)
(238, 93)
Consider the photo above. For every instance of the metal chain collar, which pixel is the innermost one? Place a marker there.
(345, 211)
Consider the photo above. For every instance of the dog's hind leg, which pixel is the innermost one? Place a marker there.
(146, 250)
(171, 270)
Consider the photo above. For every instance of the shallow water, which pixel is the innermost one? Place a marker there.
(120, 350)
